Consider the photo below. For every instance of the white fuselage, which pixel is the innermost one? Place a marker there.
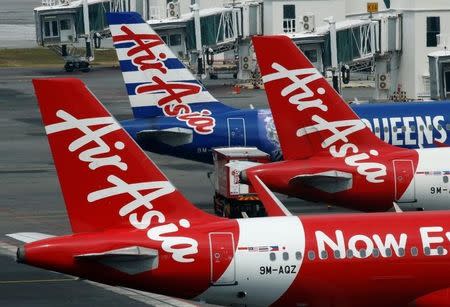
(430, 187)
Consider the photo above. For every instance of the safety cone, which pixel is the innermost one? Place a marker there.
(236, 89)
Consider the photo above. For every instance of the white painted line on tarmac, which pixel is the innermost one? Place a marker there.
(26, 78)
(29, 281)
(148, 298)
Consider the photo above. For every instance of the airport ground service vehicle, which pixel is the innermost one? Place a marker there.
(132, 228)
(232, 197)
(330, 154)
(174, 114)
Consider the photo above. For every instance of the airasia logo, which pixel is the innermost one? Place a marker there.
(171, 104)
(340, 130)
(154, 221)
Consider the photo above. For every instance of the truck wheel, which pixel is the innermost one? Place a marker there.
(85, 67)
(69, 67)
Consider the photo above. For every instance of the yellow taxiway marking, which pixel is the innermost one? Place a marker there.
(35, 280)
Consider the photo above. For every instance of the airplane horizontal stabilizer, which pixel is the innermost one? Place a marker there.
(176, 136)
(28, 237)
(330, 181)
(131, 260)
(273, 206)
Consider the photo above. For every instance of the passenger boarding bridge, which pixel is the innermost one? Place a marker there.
(73, 29)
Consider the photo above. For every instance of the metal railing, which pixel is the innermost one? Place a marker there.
(289, 25)
(55, 2)
(443, 41)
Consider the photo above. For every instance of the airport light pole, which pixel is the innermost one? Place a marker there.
(198, 36)
(334, 59)
(87, 31)
(133, 5)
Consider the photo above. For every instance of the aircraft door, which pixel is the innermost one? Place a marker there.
(67, 29)
(236, 132)
(405, 187)
(223, 270)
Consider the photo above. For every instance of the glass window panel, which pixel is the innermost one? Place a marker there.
(47, 28)
(175, 39)
(337, 254)
(289, 11)
(375, 252)
(272, 256)
(311, 55)
(65, 24)
(388, 252)
(54, 28)
(349, 253)
(433, 29)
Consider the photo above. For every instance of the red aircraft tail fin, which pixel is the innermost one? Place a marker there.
(309, 114)
(106, 179)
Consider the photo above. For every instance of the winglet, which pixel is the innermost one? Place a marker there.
(273, 206)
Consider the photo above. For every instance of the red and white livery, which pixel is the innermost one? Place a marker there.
(330, 154)
(132, 228)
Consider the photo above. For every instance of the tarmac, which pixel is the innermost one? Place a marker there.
(31, 200)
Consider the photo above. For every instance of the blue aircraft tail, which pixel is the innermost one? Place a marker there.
(157, 82)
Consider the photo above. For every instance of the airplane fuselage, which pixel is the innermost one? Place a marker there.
(385, 259)
(408, 125)
(416, 179)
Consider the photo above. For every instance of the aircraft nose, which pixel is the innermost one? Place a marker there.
(20, 255)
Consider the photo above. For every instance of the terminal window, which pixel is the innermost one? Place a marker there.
(433, 30)
(289, 18)
(311, 55)
(175, 40)
(65, 24)
(51, 28)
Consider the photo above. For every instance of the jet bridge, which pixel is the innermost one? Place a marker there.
(62, 26)
(439, 66)
(69, 26)
(355, 45)
(219, 32)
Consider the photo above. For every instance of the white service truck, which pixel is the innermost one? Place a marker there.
(232, 198)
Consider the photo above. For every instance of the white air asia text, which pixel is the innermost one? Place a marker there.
(180, 247)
